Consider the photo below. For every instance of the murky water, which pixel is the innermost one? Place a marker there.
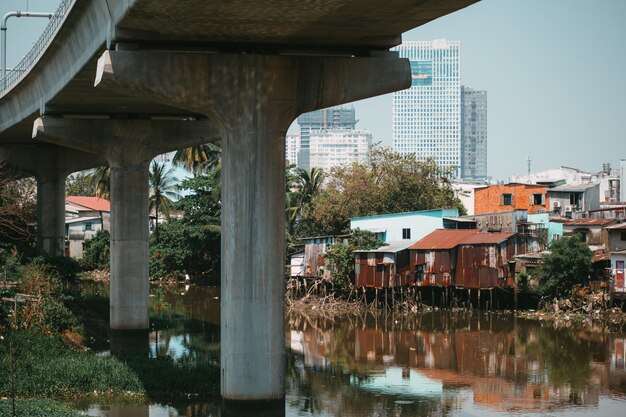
(434, 364)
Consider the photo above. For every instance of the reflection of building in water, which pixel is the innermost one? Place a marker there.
(508, 367)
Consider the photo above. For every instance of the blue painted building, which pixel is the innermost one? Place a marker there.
(410, 226)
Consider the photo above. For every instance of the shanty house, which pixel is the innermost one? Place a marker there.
(468, 258)
(385, 267)
(592, 230)
(313, 264)
(617, 246)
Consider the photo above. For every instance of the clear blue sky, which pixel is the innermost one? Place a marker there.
(554, 71)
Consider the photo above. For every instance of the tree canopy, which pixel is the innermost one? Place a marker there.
(391, 183)
(568, 264)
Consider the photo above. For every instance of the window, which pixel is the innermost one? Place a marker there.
(88, 226)
(574, 199)
(406, 233)
(507, 199)
(537, 200)
(623, 236)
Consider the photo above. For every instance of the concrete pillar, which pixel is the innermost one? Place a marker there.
(50, 165)
(252, 99)
(51, 213)
(128, 146)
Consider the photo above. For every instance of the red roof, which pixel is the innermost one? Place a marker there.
(444, 239)
(92, 203)
(591, 222)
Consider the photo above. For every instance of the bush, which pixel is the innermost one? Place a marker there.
(40, 279)
(10, 266)
(97, 253)
(568, 264)
(66, 268)
(184, 248)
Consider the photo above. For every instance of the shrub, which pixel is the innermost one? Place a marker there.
(35, 407)
(66, 268)
(10, 266)
(568, 264)
(97, 253)
(40, 279)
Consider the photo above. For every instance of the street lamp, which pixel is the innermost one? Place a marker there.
(3, 36)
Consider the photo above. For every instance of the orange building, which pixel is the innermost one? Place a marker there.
(513, 196)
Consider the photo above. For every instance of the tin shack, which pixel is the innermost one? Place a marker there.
(468, 258)
(385, 267)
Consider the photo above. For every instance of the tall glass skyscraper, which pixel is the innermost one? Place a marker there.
(427, 116)
(473, 134)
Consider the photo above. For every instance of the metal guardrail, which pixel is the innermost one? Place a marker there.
(31, 57)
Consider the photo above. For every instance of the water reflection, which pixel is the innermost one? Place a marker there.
(444, 363)
(433, 364)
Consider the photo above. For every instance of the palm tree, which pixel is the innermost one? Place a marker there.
(309, 183)
(163, 189)
(100, 180)
(201, 158)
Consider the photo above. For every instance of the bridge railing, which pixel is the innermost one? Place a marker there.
(30, 58)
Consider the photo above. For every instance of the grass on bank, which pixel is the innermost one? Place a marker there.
(36, 408)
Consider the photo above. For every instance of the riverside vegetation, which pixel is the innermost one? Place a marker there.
(49, 337)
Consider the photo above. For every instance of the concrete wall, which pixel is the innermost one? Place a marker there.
(505, 222)
(489, 199)
(617, 240)
(420, 223)
(78, 235)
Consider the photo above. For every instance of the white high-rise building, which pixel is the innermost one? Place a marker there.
(427, 116)
(292, 147)
(335, 147)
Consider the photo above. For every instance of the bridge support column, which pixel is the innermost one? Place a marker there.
(253, 99)
(51, 213)
(50, 165)
(128, 146)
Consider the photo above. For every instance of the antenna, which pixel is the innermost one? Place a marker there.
(529, 160)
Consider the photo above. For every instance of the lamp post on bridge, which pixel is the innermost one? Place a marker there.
(3, 36)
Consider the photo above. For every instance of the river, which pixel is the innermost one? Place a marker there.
(429, 364)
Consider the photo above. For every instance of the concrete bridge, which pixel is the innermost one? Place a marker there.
(124, 80)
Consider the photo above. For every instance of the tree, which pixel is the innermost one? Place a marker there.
(308, 184)
(203, 205)
(391, 183)
(79, 184)
(97, 251)
(17, 205)
(201, 158)
(100, 179)
(163, 189)
(568, 264)
(340, 256)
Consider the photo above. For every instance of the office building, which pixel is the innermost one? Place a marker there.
(427, 116)
(292, 148)
(339, 117)
(335, 147)
(473, 134)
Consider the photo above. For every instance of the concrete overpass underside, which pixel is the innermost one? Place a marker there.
(125, 80)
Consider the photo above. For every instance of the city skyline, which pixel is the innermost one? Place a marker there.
(553, 71)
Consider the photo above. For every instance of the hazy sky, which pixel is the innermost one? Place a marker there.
(554, 71)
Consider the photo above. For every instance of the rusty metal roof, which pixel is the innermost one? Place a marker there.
(443, 239)
(591, 222)
(486, 238)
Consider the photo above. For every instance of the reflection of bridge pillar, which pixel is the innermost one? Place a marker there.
(50, 165)
(253, 98)
(128, 145)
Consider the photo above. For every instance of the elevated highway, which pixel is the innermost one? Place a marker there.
(125, 80)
